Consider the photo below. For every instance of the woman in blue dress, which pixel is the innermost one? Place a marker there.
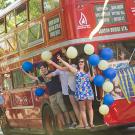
(84, 93)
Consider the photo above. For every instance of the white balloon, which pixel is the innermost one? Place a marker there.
(71, 52)
(103, 65)
(46, 55)
(89, 49)
(108, 86)
(104, 109)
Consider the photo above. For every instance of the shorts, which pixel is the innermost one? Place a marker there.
(57, 103)
(67, 103)
(72, 93)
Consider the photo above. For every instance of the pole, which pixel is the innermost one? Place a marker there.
(131, 55)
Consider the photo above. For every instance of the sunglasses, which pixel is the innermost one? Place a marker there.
(81, 61)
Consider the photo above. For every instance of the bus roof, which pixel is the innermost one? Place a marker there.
(14, 5)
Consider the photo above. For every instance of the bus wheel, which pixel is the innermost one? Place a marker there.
(4, 125)
(48, 120)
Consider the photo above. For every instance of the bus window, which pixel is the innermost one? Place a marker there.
(2, 26)
(28, 81)
(22, 38)
(8, 46)
(7, 83)
(4, 48)
(21, 15)
(18, 81)
(50, 5)
(11, 43)
(10, 21)
(34, 8)
(35, 35)
(1, 83)
(122, 50)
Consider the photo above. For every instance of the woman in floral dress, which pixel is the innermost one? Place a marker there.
(84, 93)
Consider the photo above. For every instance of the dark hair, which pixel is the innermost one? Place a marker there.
(44, 64)
(86, 69)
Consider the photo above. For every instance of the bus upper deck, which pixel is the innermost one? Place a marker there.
(30, 27)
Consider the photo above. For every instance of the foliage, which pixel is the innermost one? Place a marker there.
(34, 8)
(5, 3)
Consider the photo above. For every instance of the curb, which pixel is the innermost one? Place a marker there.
(95, 129)
(68, 130)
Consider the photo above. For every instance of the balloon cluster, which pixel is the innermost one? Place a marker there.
(100, 61)
(105, 80)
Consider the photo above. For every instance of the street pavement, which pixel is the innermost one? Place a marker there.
(1, 132)
(109, 131)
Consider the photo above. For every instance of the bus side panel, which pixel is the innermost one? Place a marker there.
(81, 18)
(78, 18)
(24, 118)
(121, 113)
(23, 109)
(130, 7)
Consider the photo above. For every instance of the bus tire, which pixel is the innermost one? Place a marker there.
(48, 120)
(4, 125)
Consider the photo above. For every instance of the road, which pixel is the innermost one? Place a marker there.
(1, 132)
(111, 131)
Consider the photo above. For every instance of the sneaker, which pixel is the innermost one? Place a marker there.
(74, 124)
(92, 125)
(80, 127)
(87, 127)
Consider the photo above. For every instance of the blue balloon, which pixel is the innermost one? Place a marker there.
(108, 99)
(39, 92)
(99, 80)
(110, 73)
(27, 66)
(106, 53)
(94, 60)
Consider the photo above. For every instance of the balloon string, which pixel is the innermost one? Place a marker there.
(101, 22)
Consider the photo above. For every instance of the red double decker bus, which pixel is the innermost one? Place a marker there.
(29, 27)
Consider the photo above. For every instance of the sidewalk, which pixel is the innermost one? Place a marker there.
(69, 131)
(1, 133)
(95, 129)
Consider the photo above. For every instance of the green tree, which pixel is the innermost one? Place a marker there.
(5, 3)
(34, 8)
